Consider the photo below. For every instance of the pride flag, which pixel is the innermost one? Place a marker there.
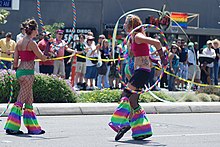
(180, 18)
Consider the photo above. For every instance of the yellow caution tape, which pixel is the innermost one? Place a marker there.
(107, 60)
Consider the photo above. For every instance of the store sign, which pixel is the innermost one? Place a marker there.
(5, 3)
(68, 31)
(110, 27)
(9, 4)
(161, 22)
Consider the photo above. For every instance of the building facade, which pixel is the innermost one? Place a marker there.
(101, 15)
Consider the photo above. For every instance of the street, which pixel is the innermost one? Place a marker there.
(171, 130)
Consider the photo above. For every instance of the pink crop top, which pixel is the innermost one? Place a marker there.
(26, 55)
(140, 49)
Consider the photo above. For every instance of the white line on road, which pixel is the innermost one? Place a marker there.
(178, 135)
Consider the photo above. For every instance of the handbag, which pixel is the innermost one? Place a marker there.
(102, 70)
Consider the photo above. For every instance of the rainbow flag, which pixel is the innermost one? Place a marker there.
(180, 18)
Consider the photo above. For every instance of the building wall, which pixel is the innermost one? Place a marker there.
(96, 13)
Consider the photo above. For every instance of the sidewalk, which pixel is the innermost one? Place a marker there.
(108, 108)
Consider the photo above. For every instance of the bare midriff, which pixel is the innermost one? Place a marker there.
(142, 62)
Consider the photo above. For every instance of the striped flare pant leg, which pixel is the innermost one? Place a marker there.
(120, 117)
(14, 118)
(30, 120)
(140, 125)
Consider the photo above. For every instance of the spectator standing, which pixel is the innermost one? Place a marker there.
(173, 66)
(103, 71)
(59, 46)
(91, 65)
(44, 45)
(80, 63)
(7, 49)
(183, 66)
(216, 46)
(21, 34)
(210, 52)
(193, 68)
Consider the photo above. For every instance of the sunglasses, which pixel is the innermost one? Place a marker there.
(60, 34)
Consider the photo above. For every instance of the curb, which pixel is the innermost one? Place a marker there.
(43, 109)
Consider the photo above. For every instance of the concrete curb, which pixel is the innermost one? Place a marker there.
(108, 108)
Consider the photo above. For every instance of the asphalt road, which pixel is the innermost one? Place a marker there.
(170, 130)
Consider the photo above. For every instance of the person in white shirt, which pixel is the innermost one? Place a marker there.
(21, 34)
(91, 65)
(209, 51)
(194, 71)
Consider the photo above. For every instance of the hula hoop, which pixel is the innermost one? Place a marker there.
(164, 68)
(164, 13)
(11, 89)
(42, 24)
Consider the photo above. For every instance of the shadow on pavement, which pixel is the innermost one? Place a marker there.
(47, 138)
(141, 142)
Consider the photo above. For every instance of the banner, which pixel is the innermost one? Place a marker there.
(180, 18)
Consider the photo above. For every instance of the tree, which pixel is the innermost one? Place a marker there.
(52, 28)
(3, 15)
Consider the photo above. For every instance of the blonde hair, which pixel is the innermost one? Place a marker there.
(216, 41)
(103, 41)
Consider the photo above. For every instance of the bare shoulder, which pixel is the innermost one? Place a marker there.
(32, 45)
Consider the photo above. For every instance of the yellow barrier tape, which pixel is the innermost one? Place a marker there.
(107, 60)
(58, 58)
(188, 81)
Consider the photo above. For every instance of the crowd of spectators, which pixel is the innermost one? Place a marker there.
(95, 71)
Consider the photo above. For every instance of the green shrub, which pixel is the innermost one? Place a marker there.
(52, 89)
(209, 90)
(147, 97)
(103, 96)
(109, 96)
(189, 97)
(214, 98)
(203, 97)
(45, 89)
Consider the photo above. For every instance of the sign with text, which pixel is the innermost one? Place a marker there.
(110, 27)
(5, 3)
(9, 4)
(68, 31)
(161, 22)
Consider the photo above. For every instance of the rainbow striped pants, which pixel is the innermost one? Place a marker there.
(29, 117)
(140, 124)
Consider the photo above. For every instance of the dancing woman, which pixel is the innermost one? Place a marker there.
(26, 49)
(121, 120)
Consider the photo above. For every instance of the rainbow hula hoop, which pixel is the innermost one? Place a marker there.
(11, 89)
(119, 59)
(74, 21)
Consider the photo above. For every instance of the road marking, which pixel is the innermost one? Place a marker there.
(178, 135)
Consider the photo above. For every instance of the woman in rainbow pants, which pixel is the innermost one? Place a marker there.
(129, 114)
(26, 49)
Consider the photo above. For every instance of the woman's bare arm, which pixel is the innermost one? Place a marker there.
(141, 38)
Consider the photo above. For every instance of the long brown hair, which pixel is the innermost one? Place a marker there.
(133, 21)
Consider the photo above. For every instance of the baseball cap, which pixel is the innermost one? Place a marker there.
(209, 42)
(191, 44)
(59, 31)
(90, 38)
(9, 34)
(102, 36)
